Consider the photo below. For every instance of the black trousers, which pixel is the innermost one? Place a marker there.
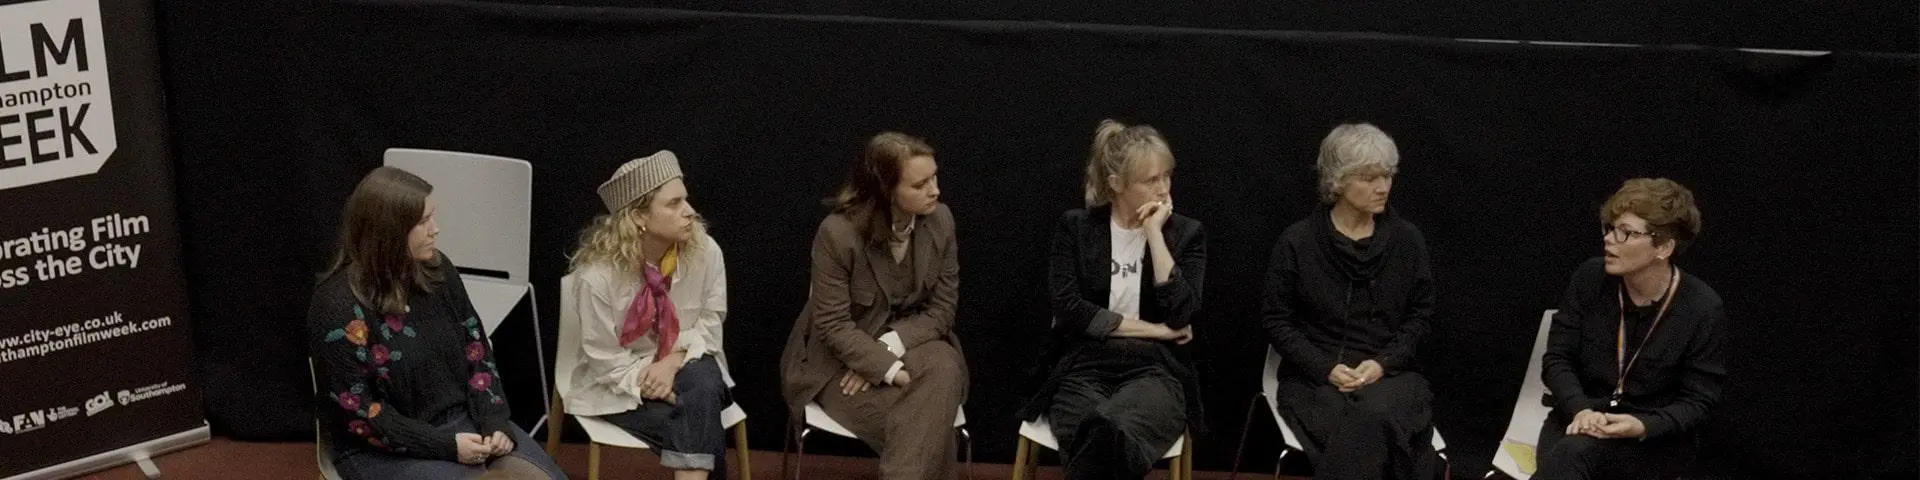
(1116, 422)
(1383, 430)
(1583, 457)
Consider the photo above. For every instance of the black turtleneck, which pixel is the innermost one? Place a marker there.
(1334, 300)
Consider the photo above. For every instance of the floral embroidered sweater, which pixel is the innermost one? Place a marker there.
(391, 380)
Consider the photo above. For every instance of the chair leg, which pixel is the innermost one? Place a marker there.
(555, 417)
(593, 460)
(1021, 458)
(746, 456)
(800, 452)
(1280, 462)
(968, 439)
(1184, 468)
(786, 450)
(1245, 426)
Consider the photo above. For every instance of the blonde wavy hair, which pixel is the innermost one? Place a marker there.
(1115, 147)
(617, 239)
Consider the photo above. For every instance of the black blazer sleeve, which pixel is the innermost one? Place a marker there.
(1703, 373)
(1179, 298)
(1417, 321)
(1073, 314)
(1559, 366)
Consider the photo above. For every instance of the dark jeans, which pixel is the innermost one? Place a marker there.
(688, 436)
(378, 465)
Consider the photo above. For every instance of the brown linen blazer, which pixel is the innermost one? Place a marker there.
(847, 308)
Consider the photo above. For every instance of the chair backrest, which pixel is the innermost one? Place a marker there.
(1523, 428)
(484, 207)
(1270, 374)
(1270, 386)
(566, 353)
(1532, 388)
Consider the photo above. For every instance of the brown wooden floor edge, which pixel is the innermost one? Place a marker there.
(228, 459)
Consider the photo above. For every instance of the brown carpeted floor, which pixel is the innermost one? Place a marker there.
(226, 459)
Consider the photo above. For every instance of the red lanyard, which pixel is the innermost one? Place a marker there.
(1621, 363)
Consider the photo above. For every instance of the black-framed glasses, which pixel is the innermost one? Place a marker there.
(1622, 235)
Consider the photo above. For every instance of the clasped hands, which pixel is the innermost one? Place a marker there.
(1606, 425)
(1349, 379)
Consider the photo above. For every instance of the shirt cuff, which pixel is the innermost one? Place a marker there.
(629, 379)
(892, 339)
(894, 370)
(694, 348)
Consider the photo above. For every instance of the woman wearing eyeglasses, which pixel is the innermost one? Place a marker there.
(1633, 361)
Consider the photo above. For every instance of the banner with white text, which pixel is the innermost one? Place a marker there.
(95, 346)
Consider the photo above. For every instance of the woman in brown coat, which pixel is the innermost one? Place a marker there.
(875, 345)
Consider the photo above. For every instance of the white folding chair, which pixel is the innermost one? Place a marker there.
(485, 221)
(601, 432)
(817, 419)
(1523, 430)
(1038, 433)
(1269, 390)
(322, 441)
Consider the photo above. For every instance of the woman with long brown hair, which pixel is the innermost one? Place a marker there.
(401, 355)
(875, 345)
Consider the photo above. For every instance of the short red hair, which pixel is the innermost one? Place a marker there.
(1666, 205)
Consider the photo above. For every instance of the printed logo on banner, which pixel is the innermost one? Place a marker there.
(149, 391)
(36, 419)
(56, 111)
(99, 403)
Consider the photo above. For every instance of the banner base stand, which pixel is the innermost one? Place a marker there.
(141, 453)
(147, 467)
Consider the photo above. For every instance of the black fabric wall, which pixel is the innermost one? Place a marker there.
(1805, 167)
(1875, 26)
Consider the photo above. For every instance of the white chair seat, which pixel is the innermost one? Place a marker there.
(817, 418)
(322, 442)
(1039, 431)
(606, 433)
(602, 432)
(323, 453)
(493, 299)
(1269, 388)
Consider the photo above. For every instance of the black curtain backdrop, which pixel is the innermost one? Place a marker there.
(1805, 168)
(1874, 26)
